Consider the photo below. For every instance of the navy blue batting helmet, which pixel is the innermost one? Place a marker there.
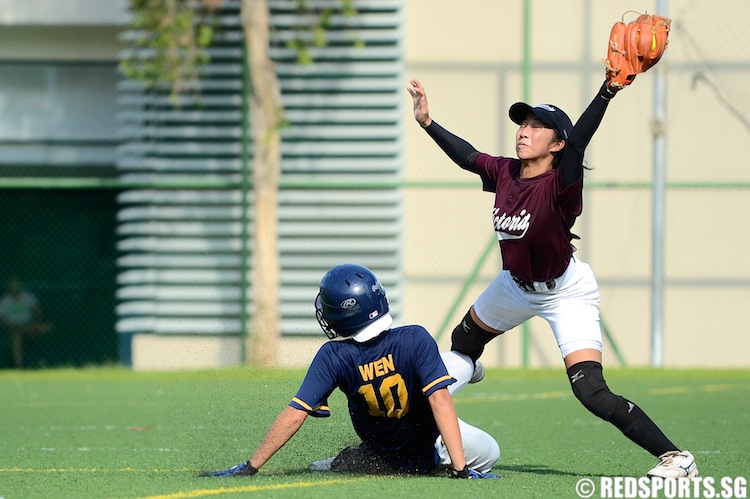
(350, 298)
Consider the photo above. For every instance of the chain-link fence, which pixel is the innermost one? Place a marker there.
(59, 248)
(60, 242)
(476, 71)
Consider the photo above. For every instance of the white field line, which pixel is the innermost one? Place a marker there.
(482, 397)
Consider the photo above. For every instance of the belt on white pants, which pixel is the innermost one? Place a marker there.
(544, 286)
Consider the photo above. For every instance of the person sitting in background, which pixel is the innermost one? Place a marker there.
(21, 316)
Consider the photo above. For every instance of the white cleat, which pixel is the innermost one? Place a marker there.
(322, 464)
(675, 464)
(478, 374)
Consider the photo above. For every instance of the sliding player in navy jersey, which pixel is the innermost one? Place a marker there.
(396, 385)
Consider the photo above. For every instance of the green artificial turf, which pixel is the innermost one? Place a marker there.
(119, 434)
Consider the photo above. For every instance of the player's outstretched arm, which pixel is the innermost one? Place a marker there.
(421, 107)
(458, 150)
(282, 430)
(446, 418)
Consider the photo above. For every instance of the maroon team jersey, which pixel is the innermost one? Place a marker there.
(532, 217)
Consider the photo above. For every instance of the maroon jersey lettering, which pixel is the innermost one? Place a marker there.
(532, 217)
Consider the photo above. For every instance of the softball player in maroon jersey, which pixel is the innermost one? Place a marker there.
(538, 197)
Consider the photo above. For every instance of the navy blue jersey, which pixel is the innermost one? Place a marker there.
(387, 381)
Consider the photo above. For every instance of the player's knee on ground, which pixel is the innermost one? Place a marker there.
(487, 455)
(470, 339)
(591, 390)
(480, 448)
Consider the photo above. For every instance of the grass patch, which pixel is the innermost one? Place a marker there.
(115, 433)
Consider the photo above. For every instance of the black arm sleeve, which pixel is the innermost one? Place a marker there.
(461, 152)
(571, 166)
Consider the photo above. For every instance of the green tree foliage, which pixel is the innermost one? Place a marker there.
(169, 38)
(314, 35)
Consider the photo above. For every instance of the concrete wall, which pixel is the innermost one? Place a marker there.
(60, 13)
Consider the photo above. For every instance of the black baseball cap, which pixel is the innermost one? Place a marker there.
(550, 115)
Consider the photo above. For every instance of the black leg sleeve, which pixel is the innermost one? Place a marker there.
(638, 427)
(591, 390)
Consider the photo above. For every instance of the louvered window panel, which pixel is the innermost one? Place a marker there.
(180, 270)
